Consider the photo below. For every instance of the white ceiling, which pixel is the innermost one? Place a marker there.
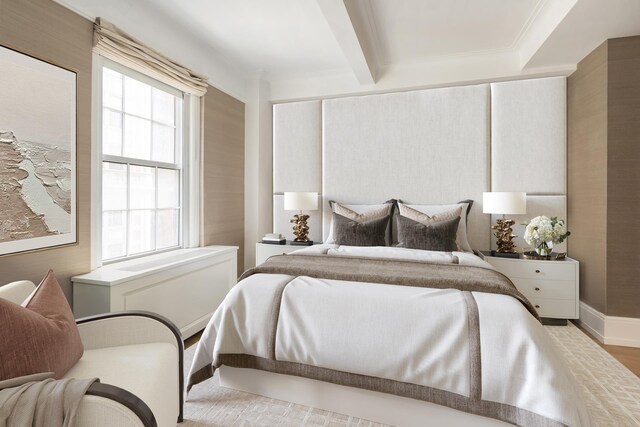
(278, 36)
(306, 48)
(412, 31)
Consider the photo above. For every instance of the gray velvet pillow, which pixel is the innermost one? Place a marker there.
(435, 236)
(353, 233)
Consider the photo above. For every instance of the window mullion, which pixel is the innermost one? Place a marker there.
(122, 119)
(127, 231)
(151, 126)
(155, 219)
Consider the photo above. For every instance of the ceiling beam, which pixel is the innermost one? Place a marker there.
(547, 18)
(337, 16)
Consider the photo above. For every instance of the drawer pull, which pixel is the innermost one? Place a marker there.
(537, 306)
(537, 289)
(537, 271)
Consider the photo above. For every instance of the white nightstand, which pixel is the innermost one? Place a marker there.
(265, 250)
(551, 286)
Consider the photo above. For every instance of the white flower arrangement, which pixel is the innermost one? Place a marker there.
(543, 232)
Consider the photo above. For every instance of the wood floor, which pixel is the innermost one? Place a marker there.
(628, 356)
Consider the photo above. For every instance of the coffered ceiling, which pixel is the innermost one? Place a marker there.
(371, 43)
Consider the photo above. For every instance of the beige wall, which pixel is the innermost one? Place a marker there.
(604, 175)
(222, 168)
(587, 174)
(47, 30)
(623, 177)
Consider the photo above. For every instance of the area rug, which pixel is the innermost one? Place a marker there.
(611, 390)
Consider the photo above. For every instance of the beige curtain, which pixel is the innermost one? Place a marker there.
(110, 42)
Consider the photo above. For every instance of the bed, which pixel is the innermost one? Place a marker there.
(395, 335)
(393, 353)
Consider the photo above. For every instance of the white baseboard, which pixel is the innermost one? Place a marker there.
(624, 331)
(592, 320)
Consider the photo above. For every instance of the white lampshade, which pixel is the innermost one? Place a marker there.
(300, 201)
(504, 202)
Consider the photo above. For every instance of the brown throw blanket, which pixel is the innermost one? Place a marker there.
(43, 403)
(393, 272)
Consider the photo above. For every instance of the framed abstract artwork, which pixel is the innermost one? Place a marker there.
(37, 154)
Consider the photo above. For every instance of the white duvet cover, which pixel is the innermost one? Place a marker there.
(406, 334)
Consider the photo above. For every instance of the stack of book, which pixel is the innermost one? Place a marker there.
(274, 239)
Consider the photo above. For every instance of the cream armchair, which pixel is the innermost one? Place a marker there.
(138, 357)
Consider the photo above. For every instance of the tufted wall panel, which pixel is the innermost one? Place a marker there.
(529, 136)
(424, 147)
(297, 147)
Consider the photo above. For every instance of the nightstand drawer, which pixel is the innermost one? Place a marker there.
(548, 289)
(555, 308)
(539, 270)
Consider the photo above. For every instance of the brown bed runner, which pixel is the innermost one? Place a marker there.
(393, 272)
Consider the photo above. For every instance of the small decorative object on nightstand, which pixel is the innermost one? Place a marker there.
(502, 202)
(542, 233)
(301, 201)
(551, 286)
(274, 239)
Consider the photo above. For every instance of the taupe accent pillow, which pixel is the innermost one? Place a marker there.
(434, 236)
(424, 216)
(350, 232)
(362, 214)
(361, 217)
(39, 336)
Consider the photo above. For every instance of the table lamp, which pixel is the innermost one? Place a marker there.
(504, 203)
(300, 201)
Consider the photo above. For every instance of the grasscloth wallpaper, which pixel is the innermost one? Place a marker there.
(587, 173)
(222, 216)
(603, 175)
(46, 30)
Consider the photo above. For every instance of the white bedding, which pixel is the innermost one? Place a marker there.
(463, 258)
(406, 334)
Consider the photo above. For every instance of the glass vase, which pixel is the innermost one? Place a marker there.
(544, 248)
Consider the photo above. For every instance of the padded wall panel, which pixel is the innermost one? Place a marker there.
(297, 147)
(536, 205)
(282, 225)
(529, 136)
(424, 147)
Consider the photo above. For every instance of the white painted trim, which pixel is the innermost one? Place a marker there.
(547, 19)
(191, 171)
(624, 331)
(96, 162)
(611, 330)
(592, 320)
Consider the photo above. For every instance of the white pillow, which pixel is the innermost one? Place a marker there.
(361, 211)
(461, 236)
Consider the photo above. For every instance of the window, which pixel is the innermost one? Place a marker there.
(142, 167)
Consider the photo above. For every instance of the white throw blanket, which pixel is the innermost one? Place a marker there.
(401, 334)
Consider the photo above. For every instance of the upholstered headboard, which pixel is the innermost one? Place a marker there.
(425, 147)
